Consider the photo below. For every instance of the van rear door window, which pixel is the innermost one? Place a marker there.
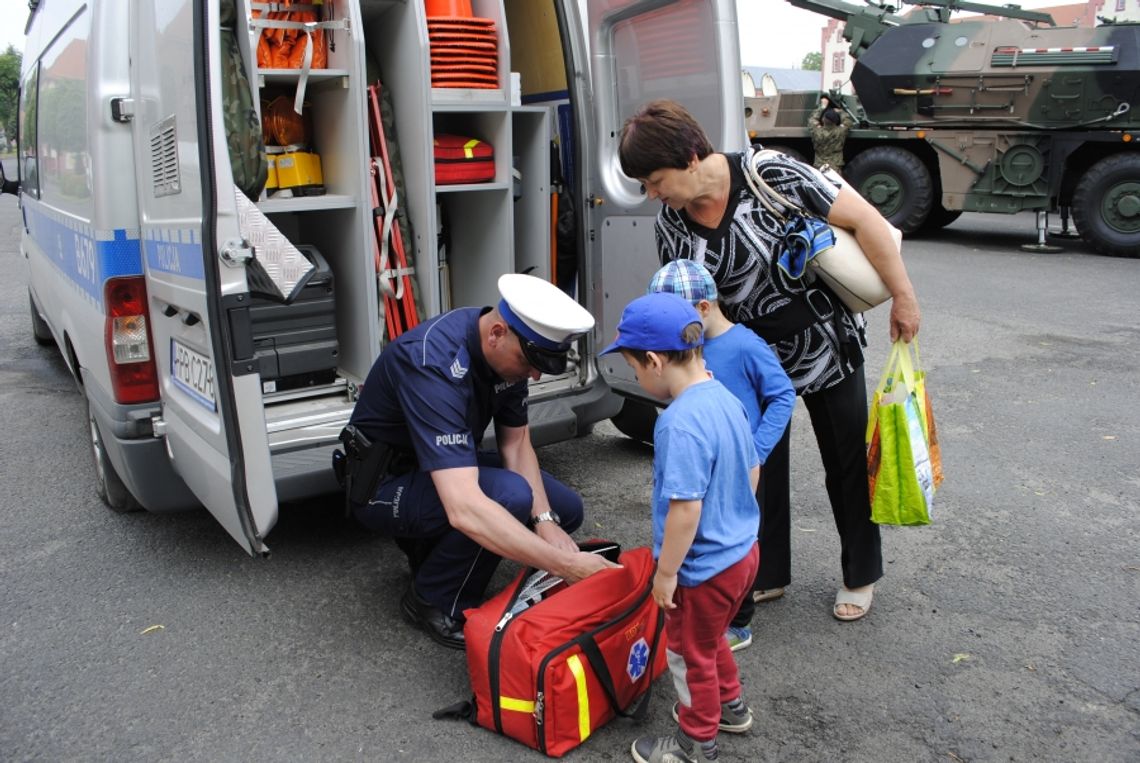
(29, 151)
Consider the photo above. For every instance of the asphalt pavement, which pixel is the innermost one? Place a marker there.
(1008, 630)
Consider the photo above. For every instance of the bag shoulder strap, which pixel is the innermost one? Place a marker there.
(763, 192)
(602, 672)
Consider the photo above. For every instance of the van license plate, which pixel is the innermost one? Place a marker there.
(193, 372)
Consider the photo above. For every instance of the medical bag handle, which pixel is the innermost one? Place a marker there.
(602, 672)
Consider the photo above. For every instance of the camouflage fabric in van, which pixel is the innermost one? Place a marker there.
(243, 128)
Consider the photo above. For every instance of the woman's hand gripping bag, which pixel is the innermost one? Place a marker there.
(548, 674)
(902, 475)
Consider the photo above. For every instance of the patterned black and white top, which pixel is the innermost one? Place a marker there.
(741, 252)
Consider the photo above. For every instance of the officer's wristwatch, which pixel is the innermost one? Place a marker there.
(546, 516)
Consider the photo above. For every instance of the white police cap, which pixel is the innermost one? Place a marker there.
(541, 312)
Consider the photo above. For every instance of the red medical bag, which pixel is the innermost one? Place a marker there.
(463, 160)
(548, 674)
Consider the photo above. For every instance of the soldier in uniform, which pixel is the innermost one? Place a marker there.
(829, 128)
(456, 510)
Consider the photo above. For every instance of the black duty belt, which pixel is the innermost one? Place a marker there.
(363, 463)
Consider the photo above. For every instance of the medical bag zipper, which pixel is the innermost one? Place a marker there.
(496, 647)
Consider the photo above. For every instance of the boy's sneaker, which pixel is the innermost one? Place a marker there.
(738, 638)
(675, 748)
(735, 716)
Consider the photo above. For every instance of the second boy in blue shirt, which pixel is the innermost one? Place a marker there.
(742, 362)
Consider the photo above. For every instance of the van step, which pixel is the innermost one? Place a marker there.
(304, 474)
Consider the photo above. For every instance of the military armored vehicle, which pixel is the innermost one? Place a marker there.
(983, 114)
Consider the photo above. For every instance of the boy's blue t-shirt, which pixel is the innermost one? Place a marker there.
(746, 365)
(703, 451)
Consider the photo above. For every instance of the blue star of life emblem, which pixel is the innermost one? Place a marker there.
(638, 660)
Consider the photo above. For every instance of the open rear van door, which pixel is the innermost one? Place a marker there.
(213, 419)
(639, 51)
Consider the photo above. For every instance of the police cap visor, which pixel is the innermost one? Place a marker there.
(546, 361)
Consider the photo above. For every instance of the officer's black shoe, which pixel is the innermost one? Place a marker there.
(442, 629)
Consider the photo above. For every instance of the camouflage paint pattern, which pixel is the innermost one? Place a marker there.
(986, 114)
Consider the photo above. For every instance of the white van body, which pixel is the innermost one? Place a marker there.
(129, 203)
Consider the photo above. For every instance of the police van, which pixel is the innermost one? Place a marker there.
(219, 319)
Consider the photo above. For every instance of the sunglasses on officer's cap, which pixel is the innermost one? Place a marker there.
(542, 352)
(545, 360)
(546, 320)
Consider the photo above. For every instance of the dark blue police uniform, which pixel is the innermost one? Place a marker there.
(431, 395)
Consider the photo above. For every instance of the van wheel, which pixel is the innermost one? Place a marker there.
(1106, 206)
(896, 182)
(41, 332)
(108, 485)
(636, 420)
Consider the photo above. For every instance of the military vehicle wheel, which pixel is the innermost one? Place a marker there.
(636, 420)
(41, 332)
(896, 182)
(788, 151)
(108, 484)
(1106, 206)
(939, 218)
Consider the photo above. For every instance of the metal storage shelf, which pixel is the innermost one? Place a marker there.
(292, 76)
(467, 187)
(307, 203)
(465, 99)
(483, 217)
(338, 220)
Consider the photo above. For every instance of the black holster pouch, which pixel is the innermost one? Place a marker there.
(360, 466)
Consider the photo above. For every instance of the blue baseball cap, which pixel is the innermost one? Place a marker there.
(686, 279)
(656, 322)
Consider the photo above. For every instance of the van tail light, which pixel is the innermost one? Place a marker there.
(126, 337)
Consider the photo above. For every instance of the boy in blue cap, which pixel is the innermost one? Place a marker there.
(742, 362)
(705, 472)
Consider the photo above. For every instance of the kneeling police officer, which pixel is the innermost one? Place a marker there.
(414, 468)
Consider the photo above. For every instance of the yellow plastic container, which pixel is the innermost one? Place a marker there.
(298, 169)
(271, 178)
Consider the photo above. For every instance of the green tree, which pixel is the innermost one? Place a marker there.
(9, 90)
(812, 61)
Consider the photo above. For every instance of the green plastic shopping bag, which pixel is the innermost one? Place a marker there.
(926, 411)
(900, 473)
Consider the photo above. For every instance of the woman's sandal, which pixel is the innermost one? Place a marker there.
(861, 599)
(767, 595)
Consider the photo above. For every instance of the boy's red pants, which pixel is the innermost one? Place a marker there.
(703, 668)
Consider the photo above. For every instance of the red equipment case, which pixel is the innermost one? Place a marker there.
(460, 159)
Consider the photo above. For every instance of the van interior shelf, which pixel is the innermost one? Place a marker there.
(292, 76)
(307, 203)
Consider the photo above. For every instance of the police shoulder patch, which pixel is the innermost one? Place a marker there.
(460, 364)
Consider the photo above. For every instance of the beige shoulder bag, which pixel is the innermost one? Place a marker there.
(844, 267)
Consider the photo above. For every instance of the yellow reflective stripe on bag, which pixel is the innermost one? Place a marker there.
(517, 705)
(575, 664)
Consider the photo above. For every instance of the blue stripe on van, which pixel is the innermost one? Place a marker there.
(86, 256)
(176, 251)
